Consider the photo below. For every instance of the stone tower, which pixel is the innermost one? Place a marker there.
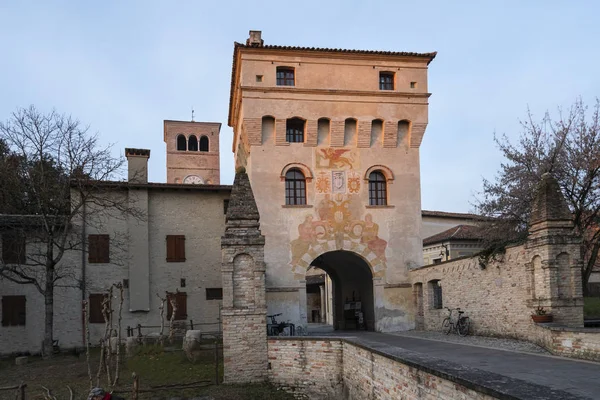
(192, 152)
(555, 250)
(243, 275)
(330, 141)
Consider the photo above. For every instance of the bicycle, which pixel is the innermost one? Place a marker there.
(279, 328)
(460, 326)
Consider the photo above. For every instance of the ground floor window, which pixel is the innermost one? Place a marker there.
(13, 311)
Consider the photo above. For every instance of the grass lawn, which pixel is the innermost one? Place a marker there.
(152, 365)
(591, 307)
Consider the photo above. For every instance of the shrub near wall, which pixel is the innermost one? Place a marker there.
(495, 298)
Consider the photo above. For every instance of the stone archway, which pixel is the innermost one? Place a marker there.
(352, 297)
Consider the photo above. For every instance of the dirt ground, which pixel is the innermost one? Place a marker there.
(154, 367)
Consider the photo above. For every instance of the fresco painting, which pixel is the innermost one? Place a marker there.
(338, 159)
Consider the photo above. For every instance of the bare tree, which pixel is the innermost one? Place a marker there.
(569, 148)
(57, 179)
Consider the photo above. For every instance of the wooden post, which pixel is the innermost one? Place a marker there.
(135, 388)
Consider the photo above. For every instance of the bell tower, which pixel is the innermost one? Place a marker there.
(192, 152)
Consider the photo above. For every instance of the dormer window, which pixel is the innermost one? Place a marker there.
(285, 76)
(386, 81)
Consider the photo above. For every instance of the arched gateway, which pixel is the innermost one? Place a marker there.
(348, 303)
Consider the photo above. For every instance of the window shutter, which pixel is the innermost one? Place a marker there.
(181, 299)
(181, 248)
(175, 248)
(92, 249)
(104, 249)
(14, 310)
(6, 307)
(96, 316)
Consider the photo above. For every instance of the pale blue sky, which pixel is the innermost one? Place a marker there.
(125, 66)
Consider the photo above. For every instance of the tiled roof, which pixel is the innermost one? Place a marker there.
(459, 232)
(156, 185)
(430, 56)
(428, 213)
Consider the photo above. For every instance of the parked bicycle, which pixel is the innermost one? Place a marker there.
(459, 324)
(280, 328)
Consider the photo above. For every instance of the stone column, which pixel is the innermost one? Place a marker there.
(244, 299)
(556, 256)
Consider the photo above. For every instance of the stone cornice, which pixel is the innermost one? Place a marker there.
(341, 92)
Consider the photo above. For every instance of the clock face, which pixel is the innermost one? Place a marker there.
(195, 179)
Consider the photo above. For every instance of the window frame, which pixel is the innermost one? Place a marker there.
(387, 80)
(294, 130)
(295, 188)
(175, 248)
(377, 189)
(285, 76)
(14, 310)
(99, 249)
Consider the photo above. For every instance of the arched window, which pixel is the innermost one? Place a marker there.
(181, 143)
(294, 130)
(295, 187)
(377, 189)
(193, 143)
(203, 143)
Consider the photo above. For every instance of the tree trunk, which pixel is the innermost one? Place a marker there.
(47, 344)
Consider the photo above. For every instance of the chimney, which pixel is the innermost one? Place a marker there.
(255, 39)
(137, 165)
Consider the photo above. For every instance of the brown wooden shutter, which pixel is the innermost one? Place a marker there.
(175, 248)
(181, 248)
(104, 249)
(96, 316)
(13, 248)
(181, 298)
(14, 310)
(181, 301)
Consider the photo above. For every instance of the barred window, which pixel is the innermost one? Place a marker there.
(386, 81)
(295, 187)
(294, 130)
(377, 189)
(436, 294)
(285, 76)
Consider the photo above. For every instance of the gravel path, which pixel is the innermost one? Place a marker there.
(495, 343)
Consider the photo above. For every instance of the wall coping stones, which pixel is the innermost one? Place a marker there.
(489, 383)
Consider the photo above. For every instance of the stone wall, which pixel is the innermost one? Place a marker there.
(583, 343)
(497, 299)
(320, 368)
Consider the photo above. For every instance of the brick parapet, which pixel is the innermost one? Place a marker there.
(252, 128)
(364, 134)
(311, 131)
(390, 133)
(337, 131)
(345, 368)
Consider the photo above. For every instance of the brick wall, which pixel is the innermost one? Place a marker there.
(337, 369)
(583, 343)
(495, 298)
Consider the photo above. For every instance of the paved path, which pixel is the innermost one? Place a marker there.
(579, 378)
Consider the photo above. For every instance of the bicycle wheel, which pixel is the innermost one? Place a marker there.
(463, 326)
(446, 326)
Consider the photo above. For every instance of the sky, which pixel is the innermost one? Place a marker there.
(122, 67)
